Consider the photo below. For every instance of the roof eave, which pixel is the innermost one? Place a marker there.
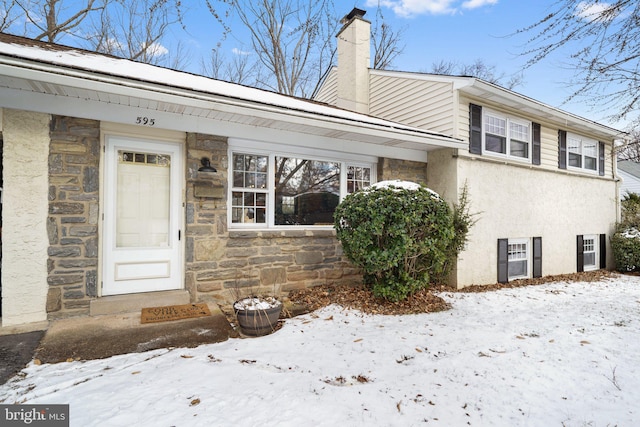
(484, 90)
(403, 135)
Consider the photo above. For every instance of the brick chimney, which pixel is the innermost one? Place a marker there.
(354, 60)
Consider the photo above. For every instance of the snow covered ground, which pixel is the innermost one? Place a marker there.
(562, 354)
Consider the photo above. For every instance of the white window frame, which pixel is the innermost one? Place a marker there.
(508, 119)
(582, 141)
(271, 150)
(527, 257)
(594, 250)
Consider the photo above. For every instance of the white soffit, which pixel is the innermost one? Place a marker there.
(192, 98)
(486, 91)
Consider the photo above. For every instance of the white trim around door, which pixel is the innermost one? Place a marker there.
(143, 215)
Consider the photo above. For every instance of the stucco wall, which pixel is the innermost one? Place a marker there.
(24, 234)
(523, 202)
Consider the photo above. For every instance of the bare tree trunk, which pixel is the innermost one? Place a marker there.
(52, 20)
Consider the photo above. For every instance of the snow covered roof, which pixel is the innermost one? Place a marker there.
(31, 66)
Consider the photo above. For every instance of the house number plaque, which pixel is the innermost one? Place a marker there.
(145, 121)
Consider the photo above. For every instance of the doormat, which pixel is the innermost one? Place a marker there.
(173, 312)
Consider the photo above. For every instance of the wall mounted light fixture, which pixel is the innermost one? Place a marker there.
(206, 166)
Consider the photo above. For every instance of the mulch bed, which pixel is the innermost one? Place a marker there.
(360, 298)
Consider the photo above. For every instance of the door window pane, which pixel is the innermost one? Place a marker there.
(142, 200)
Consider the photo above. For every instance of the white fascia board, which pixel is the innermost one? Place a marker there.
(356, 123)
(95, 110)
(457, 82)
(532, 106)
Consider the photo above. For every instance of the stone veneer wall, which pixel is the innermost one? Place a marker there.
(223, 264)
(405, 170)
(72, 225)
(219, 262)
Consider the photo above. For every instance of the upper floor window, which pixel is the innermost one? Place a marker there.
(507, 135)
(582, 152)
(290, 190)
(503, 135)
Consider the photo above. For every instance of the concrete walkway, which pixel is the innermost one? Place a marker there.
(16, 351)
(98, 337)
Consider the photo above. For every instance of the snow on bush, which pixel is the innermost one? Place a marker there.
(400, 233)
(625, 242)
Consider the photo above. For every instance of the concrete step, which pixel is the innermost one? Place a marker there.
(135, 302)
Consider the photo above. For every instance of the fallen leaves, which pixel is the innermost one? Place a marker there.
(342, 381)
(588, 276)
(361, 298)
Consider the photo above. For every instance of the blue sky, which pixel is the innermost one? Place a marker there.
(449, 30)
(461, 31)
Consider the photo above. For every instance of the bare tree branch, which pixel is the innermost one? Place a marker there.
(478, 69)
(386, 42)
(601, 39)
(9, 14)
(292, 40)
(134, 29)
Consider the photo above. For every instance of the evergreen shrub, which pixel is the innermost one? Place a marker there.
(401, 234)
(625, 242)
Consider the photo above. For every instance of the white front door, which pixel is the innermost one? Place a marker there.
(142, 216)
